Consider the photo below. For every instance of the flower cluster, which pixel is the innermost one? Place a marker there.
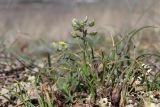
(81, 27)
(61, 45)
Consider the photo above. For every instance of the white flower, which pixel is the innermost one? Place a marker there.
(103, 102)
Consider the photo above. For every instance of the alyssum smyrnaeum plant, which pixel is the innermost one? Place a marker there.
(81, 64)
(80, 31)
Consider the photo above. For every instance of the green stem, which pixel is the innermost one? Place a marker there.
(85, 47)
(49, 60)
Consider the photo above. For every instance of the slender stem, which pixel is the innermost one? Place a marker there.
(49, 60)
(85, 46)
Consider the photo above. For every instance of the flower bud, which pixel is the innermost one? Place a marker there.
(73, 34)
(53, 45)
(91, 24)
(74, 21)
(86, 19)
